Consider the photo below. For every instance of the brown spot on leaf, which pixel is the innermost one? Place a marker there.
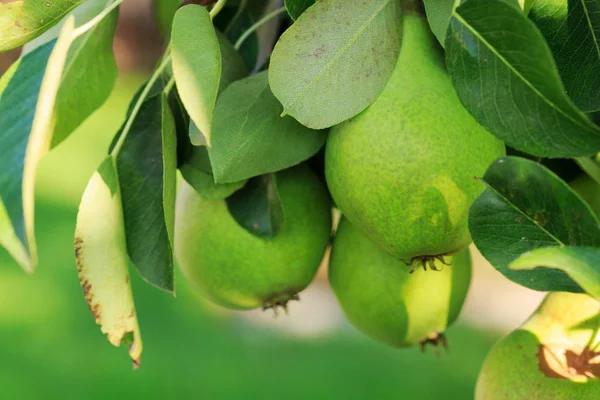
(540, 218)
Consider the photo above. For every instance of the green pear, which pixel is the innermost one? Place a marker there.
(403, 170)
(554, 355)
(237, 269)
(384, 300)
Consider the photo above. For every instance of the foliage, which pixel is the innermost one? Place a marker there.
(527, 71)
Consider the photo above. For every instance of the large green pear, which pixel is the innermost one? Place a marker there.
(553, 356)
(403, 171)
(237, 269)
(384, 300)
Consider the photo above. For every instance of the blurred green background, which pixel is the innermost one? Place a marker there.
(50, 346)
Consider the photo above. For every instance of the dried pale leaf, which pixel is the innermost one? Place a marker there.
(102, 260)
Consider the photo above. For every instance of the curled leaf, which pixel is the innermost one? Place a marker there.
(102, 260)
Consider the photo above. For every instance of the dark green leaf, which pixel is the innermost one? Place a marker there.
(439, 13)
(182, 123)
(251, 46)
(26, 118)
(22, 21)
(17, 111)
(504, 74)
(198, 173)
(249, 136)
(297, 7)
(591, 166)
(572, 30)
(582, 264)
(335, 59)
(233, 66)
(146, 166)
(257, 206)
(525, 207)
(196, 64)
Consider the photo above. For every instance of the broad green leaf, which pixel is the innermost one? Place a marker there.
(249, 136)
(11, 242)
(22, 21)
(41, 106)
(582, 264)
(102, 260)
(296, 7)
(232, 69)
(146, 165)
(198, 173)
(439, 13)
(251, 46)
(232, 65)
(164, 11)
(525, 207)
(182, 123)
(90, 72)
(257, 206)
(510, 84)
(335, 59)
(26, 118)
(572, 30)
(589, 190)
(196, 65)
(590, 166)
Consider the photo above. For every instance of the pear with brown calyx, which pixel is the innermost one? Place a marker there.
(555, 355)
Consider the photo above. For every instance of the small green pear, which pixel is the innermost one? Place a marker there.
(555, 355)
(403, 171)
(236, 269)
(384, 300)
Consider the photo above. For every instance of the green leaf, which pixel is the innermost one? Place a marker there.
(335, 59)
(40, 106)
(572, 30)
(233, 68)
(582, 264)
(164, 11)
(22, 21)
(439, 13)
(146, 165)
(10, 241)
(90, 72)
(198, 173)
(26, 118)
(257, 206)
(249, 136)
(251, 46)
(296, 7)
(590, 166)
(102, 259)
(510, 84)
(196, 64)
(525, 207)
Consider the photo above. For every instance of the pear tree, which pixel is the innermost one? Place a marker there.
(390, 134)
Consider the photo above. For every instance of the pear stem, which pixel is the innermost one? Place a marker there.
(413, 7)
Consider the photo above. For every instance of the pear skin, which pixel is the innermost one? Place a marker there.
(236, 269)
(403, 171)
(555, 355)
(383, 299)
